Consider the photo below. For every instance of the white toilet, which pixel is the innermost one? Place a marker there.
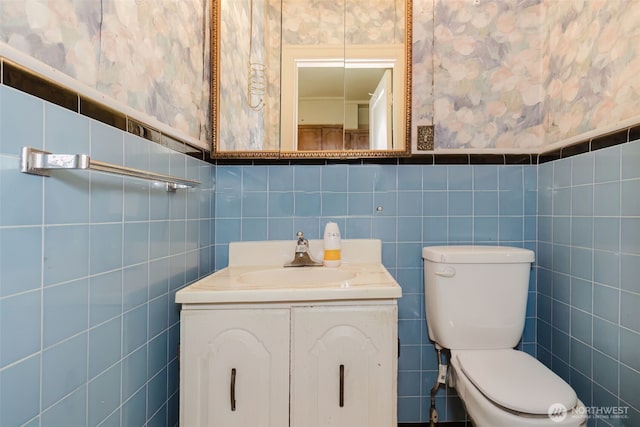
(475, 299)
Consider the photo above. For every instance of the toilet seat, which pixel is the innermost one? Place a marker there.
(515, 380)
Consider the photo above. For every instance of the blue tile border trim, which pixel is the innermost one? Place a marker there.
(414, 159)
(609, 140)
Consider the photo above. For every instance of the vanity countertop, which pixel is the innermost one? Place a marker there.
(360, 277)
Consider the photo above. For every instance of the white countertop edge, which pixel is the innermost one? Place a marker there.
(286, 304)
(288, 295)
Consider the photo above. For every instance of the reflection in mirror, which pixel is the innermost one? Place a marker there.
(345, 108)
(277, 90)
(246, 75)
(320, 108)
(381, 113)
(331, 103)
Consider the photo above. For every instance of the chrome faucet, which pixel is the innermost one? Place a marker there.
(302, 257)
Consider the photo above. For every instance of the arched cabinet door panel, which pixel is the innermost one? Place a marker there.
(235, 368)
(343, 366)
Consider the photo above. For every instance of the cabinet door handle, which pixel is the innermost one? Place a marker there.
(341, 386)
(232, 391)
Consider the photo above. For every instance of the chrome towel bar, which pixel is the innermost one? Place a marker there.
(38, 162)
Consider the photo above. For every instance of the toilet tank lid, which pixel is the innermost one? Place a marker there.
(477, 254)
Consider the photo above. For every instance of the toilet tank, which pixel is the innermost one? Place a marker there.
(476, 296)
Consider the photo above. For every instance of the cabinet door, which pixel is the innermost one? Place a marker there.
(357, 140)
(234, 368)
(344, 366)
(332, 138)
(309, 137)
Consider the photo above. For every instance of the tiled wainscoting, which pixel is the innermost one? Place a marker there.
(89, 265)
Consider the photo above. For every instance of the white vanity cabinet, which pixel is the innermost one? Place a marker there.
(291, 365)
(268, 346)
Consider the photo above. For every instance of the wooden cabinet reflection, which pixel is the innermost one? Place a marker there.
(330, 137)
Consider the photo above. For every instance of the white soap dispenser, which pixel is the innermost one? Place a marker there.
(332, 245)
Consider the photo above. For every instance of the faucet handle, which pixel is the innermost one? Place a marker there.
(303, 244)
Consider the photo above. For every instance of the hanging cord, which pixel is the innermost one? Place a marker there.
(257, 72)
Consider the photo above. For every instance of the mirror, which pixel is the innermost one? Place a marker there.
(311, 78)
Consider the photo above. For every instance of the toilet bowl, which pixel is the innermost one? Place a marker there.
(509, 388)
(475, 301)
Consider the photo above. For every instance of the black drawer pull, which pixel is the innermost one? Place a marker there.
(233, 389)
(341, 386)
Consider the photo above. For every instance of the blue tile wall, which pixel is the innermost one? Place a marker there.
(89, 266)
(588, 293)
(407, 207)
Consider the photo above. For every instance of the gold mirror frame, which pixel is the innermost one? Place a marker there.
(341, 154)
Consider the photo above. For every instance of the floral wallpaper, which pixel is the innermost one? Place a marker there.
(488, 90)
(524, 74)
(422, 66)
(342, 21)
(249, 33)
(151, 55)
(592, 65)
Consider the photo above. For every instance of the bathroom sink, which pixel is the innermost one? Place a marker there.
(256, 273)
(295, 276)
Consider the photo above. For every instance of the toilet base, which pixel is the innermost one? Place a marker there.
(484, 413)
